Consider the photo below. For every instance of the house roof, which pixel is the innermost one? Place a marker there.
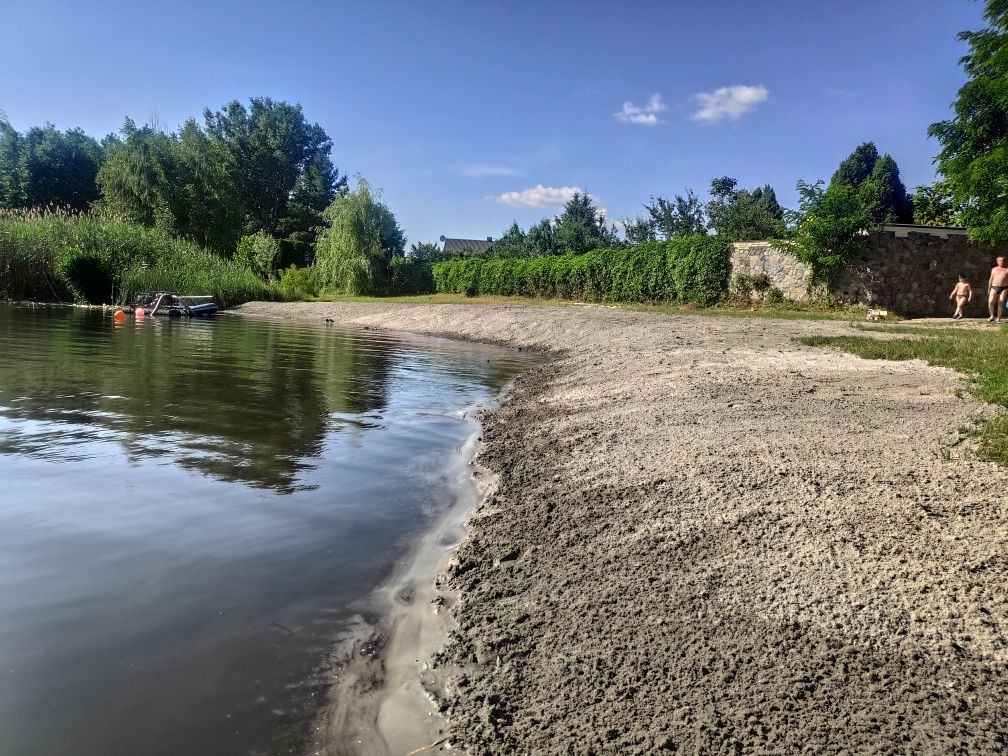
(464, 246)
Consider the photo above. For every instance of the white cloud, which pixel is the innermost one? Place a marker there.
(538, 196)
(482, 170)
(729, 102)
(642, 115)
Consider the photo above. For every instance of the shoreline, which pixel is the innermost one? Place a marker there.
(706, 537)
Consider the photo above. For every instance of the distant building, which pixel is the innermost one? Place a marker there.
(466, 247)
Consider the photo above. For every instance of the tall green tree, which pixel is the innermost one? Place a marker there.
(354, 250)
(541, 239)
(876, 182)
(936, 205)
(680, 216)
(512, 243)
(278, 159)
(581, 227)
(744, 215)
(974, 154)
(47, 167)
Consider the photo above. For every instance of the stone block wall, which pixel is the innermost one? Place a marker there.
(911, 270)
(907, 269)
(788, 275)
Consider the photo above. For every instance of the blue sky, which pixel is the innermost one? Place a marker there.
(471, 114)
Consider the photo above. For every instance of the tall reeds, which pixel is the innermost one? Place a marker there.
(55, 255)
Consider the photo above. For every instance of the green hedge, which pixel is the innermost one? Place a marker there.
(57, 257)
(693, 269)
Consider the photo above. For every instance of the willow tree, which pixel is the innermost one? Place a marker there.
(354, 250)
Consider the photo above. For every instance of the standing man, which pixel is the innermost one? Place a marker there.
(997, 291)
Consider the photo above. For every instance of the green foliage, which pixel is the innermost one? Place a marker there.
(876, 182)
(830, 226)
(774, 296)
(682, 216)
(46, 167)
(639, 231)
(743, 215)
(298, 283)
(974, 154)
(410, 276)
(829, 229)
(354, 251)
(761, 283)
(741, 287)
(581, 227)
(259, 252)
(98, 259)
(936, 205)
(692, 269)
(513, 243)
(248, 170)
(426, 252)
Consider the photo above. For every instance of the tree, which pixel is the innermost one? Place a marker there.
(829, 228)
(936, 205)
(137, 178)
(639, 230)
(581, 227)
(974, 154)
(682, 216)
(426, 252)
(743, 215)
(46, 167)
(355, 248)
(877, 185)
(541, 239)
(512, 243)
(278, 158)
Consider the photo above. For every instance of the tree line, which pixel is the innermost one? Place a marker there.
(262, 169)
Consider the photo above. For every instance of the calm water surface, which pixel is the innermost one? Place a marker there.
(189, 510)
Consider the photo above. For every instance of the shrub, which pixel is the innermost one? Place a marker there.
(741, 286)
(259, 253)
(410, 277)
(298, 283)
(774, 296)
(691, 269)
(761, 283)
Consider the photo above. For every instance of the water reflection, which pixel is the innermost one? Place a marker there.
(240, 403)
(188, 510)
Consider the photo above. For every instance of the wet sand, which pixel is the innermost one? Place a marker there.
(702, 536)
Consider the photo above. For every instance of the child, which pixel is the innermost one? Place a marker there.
(963, 294)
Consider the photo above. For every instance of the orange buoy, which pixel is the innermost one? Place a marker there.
(139, 312)
(119, 316)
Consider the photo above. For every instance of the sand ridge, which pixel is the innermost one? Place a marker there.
(706, 537)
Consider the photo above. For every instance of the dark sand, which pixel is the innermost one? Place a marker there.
(704, 537)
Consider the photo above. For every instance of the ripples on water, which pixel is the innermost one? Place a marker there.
(188, 511)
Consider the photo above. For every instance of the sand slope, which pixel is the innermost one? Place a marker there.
(705, 537)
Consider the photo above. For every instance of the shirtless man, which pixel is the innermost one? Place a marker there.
(997, 291)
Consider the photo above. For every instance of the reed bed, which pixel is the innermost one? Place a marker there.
(59, 256)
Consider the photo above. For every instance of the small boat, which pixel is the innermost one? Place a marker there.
(175, 305)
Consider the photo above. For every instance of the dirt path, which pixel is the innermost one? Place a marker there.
(705, 537)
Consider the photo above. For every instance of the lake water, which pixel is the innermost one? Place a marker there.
(189, 511)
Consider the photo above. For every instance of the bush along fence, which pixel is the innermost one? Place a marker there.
(692, 269)
(60, 257)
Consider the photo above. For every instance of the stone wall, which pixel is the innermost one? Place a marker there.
(907, 269)
(911, 270)
(786, 273)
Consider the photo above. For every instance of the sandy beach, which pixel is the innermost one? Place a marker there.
(704, 537)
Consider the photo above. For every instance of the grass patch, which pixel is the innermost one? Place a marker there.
(980, 354)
